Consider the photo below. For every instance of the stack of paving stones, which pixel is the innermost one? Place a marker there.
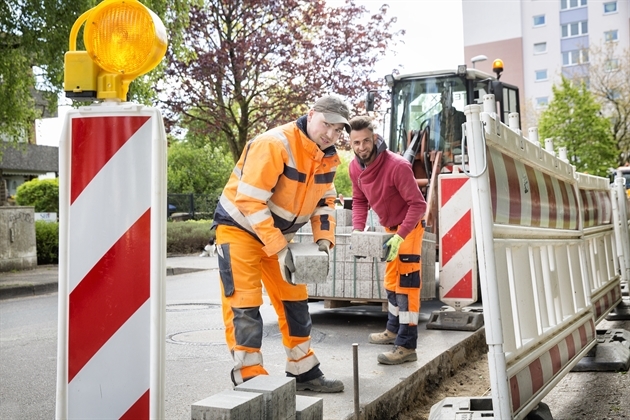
(348, 276)
(362, 278)
(261, 398)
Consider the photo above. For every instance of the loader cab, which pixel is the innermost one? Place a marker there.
(436, 101)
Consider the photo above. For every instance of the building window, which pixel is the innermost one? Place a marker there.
(540, 48)
(571, 4)
(611, 36)
(610, 7)
(572, 58)
(541, 75)
(542, 101)
(611, 65)
(575, 29)
(539, 20)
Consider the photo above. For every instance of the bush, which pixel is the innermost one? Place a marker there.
(47, 240)
(42, 194)
(188, 237)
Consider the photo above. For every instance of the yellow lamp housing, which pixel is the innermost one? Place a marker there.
(124, 39)
(497, 67)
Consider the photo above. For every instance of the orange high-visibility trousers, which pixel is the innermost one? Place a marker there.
(403, 283)
(244, 268)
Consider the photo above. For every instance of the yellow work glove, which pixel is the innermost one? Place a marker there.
(324, 245)
(287, 267)
(393, 245)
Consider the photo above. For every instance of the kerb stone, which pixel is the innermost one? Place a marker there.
(229, 405)
(309, 408)
(278, 395)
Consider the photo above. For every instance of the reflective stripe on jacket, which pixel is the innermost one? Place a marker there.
(281, 180)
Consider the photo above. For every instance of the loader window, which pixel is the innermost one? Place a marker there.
(436, 102)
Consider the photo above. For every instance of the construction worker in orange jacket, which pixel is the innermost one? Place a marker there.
(283, 180)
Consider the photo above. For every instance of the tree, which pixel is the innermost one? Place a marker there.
(254, 64)
(202, 170)
(609, 73)
(343, 184)
(573, 119)
(42, 194)
(33, 40)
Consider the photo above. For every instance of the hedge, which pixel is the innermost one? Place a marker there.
(47, 240)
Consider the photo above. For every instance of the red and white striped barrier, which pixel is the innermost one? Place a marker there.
(112, 256)
(458, 259)
(546, 249)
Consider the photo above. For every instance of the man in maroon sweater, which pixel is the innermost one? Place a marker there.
(385, 182)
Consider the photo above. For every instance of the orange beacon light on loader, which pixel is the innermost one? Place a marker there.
(123, 40)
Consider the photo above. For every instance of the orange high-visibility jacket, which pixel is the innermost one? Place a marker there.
(281, 180)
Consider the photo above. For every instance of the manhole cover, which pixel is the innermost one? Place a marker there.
(177, 307)
(207, 337)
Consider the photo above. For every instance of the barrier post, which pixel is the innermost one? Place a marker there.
(112, 227)
(483, 212)
(112, 263)
(621, 215)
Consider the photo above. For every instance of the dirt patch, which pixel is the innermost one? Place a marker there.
(470, 380)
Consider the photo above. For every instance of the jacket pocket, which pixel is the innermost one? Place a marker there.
(225, 269)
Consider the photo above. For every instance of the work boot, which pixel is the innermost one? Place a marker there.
(320, 384)
(385, 337)
(397, 356)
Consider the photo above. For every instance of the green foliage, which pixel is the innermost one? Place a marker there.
(188, 237)
(47, 241)
(343, 184)
(199, 170)
(41, 194)
(252, 65)
(573, 119)
(33, 41)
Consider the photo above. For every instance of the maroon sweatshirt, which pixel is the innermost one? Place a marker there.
(388, 186)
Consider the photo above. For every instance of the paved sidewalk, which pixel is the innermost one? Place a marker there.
(384, 389)
(44, 278)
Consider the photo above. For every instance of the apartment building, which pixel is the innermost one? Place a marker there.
(540, 40)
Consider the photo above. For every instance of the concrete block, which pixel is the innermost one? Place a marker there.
(311, 289)
(278, 395)
(336, 270)
(379, 270)
(229, 405)
(343, 230)
(311, 264)
(358, 289)
(343, 217)
(309, 408)
(338, 253)
(372, 219)
(378, 290)
(324, 289)
(303, 238)
(369, 244)
(338, 287)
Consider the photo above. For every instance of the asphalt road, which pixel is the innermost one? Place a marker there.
(196, 358)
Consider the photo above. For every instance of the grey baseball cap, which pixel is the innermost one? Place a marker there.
(335, 110)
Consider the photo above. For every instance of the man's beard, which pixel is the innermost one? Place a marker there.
(369, 158)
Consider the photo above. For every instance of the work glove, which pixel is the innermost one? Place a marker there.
(393, 244)
(324, 245)
(287, 267)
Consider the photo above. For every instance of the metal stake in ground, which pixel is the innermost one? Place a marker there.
(355, 371)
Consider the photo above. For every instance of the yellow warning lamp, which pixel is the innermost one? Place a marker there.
(123, 40)
(497, 67)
